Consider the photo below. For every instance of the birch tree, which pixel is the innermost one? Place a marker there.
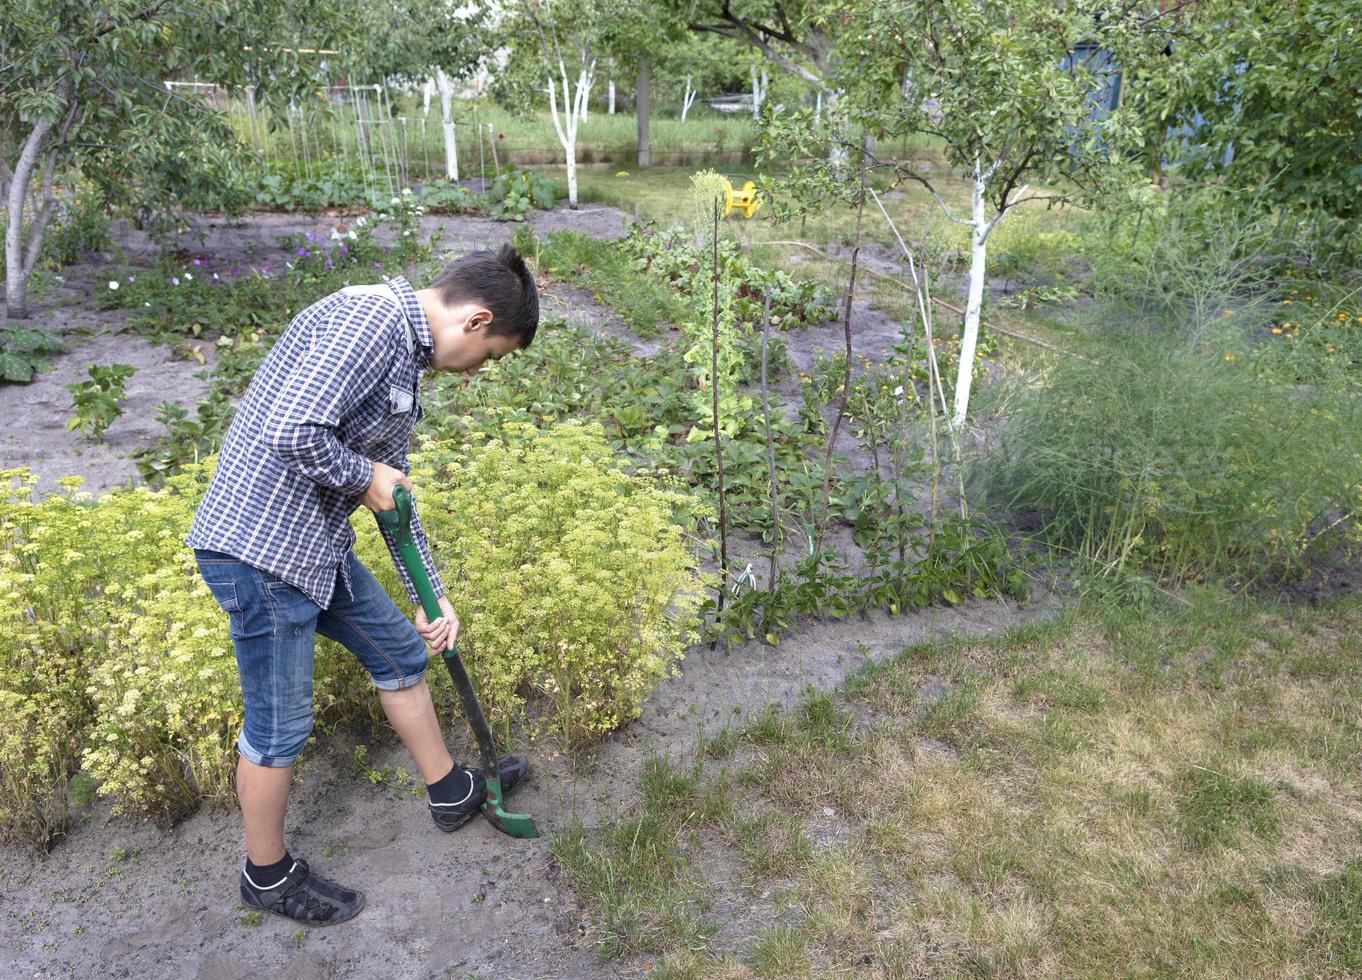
(558, 42)
(999, 86)
(687, 98)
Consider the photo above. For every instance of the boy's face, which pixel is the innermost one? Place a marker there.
(462, 340)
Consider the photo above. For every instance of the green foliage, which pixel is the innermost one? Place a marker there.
(23, 352)
(1171, 456)
(1216, 808)
(1256, 81)
(1315, 337)
(284, 192)
(672, 258)
(96, 402)
(1182, 261)
(184, 441)
(577, 591)
(608, 270)
(80, 225)
(515, 192)
(572, 576)
(1337, 935)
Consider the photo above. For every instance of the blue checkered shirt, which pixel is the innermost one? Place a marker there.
(340, 388)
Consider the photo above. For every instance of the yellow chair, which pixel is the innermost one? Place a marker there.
(744, 200)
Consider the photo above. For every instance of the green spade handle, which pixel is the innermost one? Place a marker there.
(398, 522)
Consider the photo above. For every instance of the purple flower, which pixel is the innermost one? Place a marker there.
(302, 251)
(344, 249)
(378, 265)
(197, 262)
(311, 237)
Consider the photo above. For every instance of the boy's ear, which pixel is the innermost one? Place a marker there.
(478, 319)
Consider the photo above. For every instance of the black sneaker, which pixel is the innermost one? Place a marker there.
(452, 816)
(304, 897)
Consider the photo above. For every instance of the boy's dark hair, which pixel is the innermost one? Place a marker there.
(500, 281)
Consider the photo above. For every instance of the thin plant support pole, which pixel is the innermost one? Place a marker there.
(356, 100)
(302, 138)
(846, 369)
(385, 138)
(299, 165)
(773, 578)
(406, 169)
(250, 112)
(496, 161)
(425, 148)
(923, 289)
(337, 157)
(714, 403)
(482, 154)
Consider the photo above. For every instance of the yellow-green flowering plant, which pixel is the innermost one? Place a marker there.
(572, 579)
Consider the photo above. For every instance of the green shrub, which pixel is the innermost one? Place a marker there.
(570, 577)
(1172, 456)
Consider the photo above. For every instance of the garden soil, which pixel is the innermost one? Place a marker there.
(124, 898)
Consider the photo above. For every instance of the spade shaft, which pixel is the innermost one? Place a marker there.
(398, 523)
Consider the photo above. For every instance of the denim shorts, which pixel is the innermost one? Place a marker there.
(272, 625)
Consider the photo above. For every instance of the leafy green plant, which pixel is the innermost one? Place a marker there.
(185, 441)
(515, 192)
(285, 192)
(23, 352)
(96, 402)
(576, 587)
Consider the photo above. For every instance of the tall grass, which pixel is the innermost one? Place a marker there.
(1169, 455)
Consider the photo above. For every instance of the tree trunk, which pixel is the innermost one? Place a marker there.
(837, 149)
(687, 99)
(16, 268)
(641, 108)
(610, 87)
(975, 302)
(574, 98)
(447, 123)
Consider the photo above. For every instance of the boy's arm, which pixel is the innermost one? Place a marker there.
(344, 363)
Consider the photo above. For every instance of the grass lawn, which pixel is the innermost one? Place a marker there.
(1111, 793)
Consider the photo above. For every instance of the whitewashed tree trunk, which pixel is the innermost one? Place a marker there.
(979, 229)
(427, 90)
(837, 150)
(565, 123)
(610, 87)
(586, 101)
(447, 123)
(19, 261)
(687, 99)
(756, 93)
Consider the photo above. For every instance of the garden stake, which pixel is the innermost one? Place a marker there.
(398, 523)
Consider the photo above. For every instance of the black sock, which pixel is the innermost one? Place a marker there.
(453, 789)
(269, 875)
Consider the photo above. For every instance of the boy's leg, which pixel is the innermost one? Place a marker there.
(412, 715)
(372, 627)
(263, 794)
(386, 643)
(272, 625)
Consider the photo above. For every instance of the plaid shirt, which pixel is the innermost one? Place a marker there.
(338, 389)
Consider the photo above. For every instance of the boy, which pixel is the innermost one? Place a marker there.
(324, 428)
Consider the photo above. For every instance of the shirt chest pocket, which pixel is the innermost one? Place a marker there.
(403, 411)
